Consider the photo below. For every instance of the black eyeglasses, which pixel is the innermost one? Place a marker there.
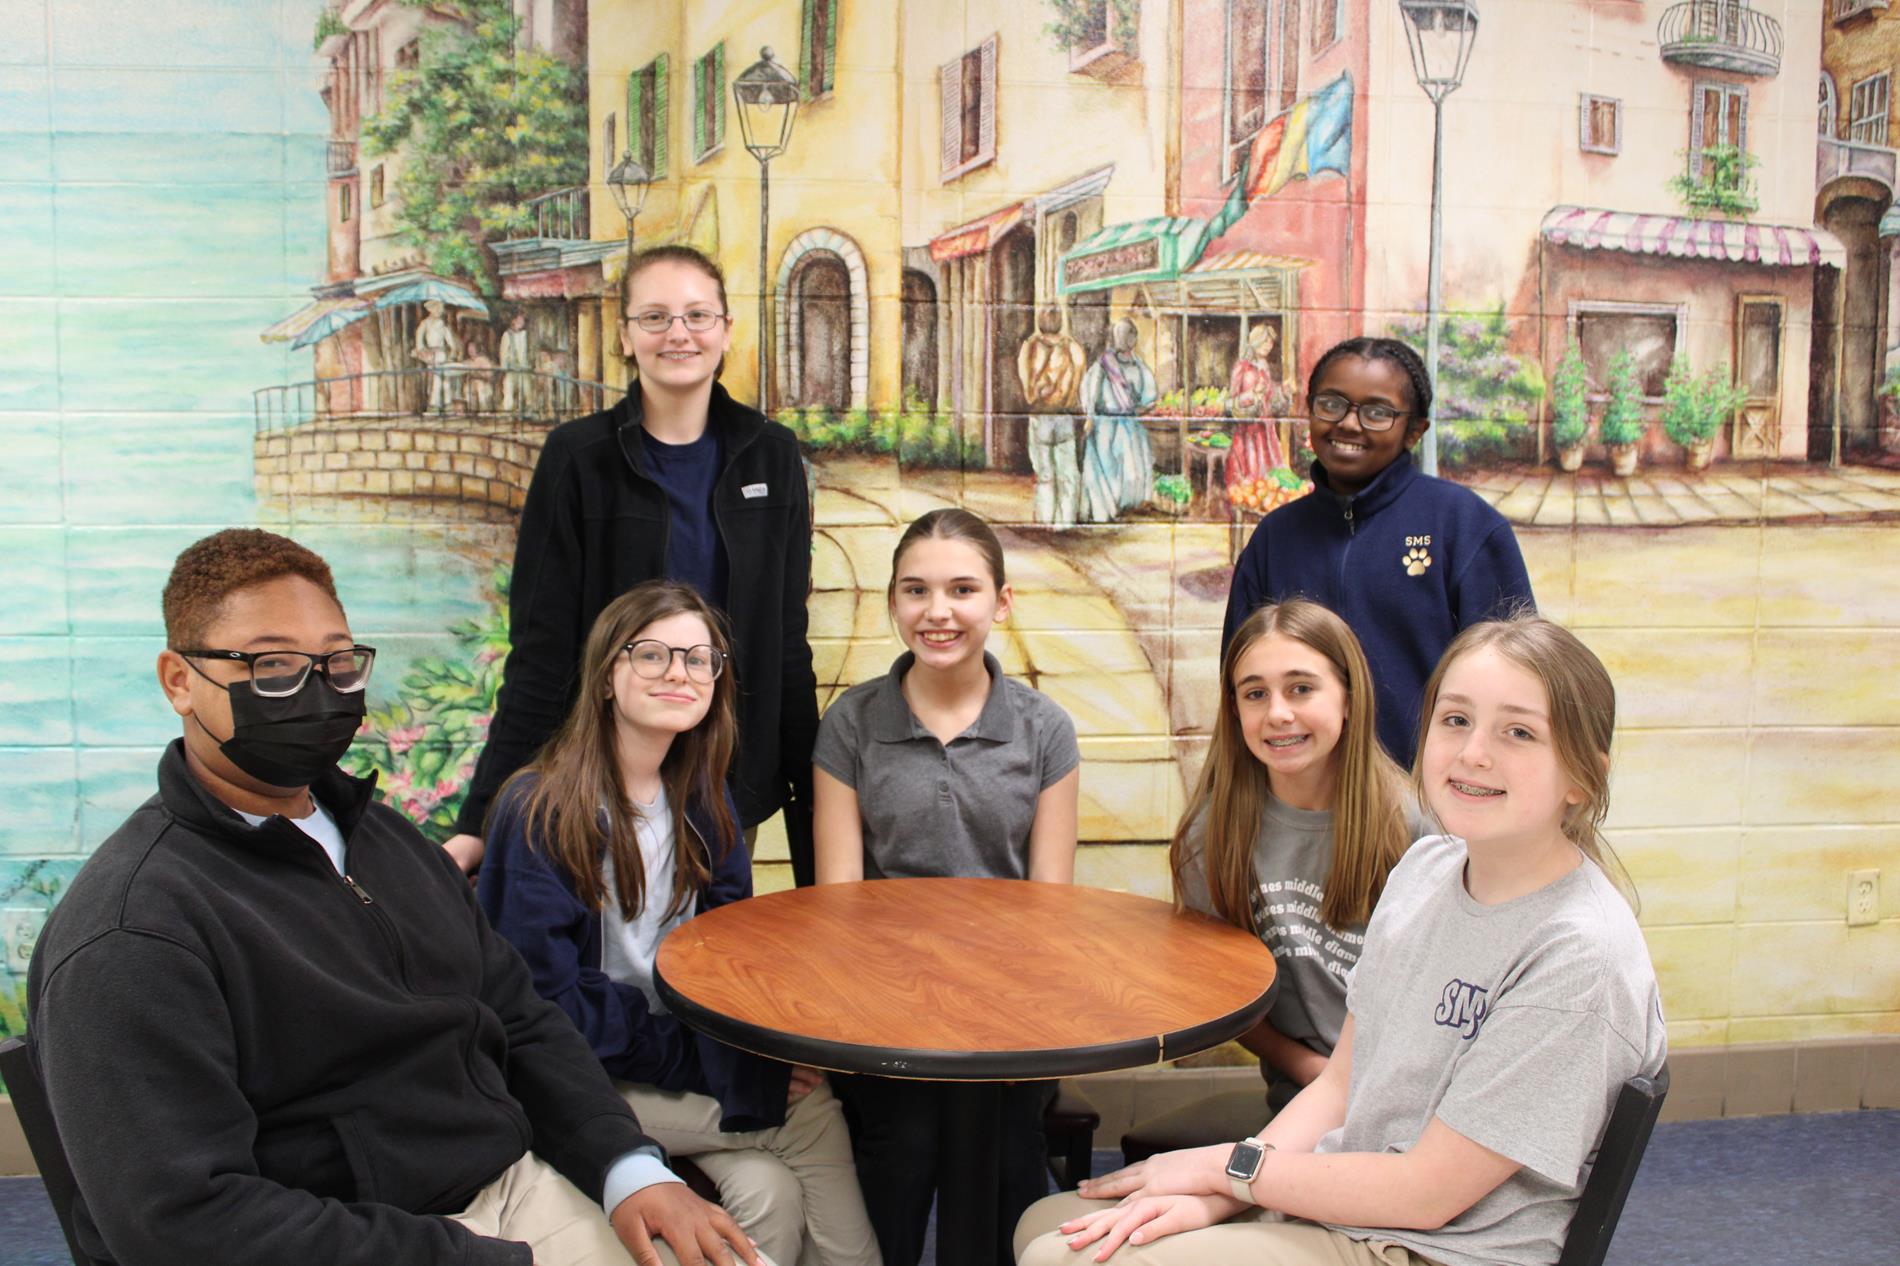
(1330, 407)
(698, 320)
(274, 674)
(652, 658)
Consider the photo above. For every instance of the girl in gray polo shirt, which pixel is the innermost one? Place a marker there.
(1504, 996)
(945, 767)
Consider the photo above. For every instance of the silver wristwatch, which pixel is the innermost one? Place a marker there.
(1243, 1166)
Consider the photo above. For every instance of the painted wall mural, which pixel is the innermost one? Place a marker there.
(335, 267)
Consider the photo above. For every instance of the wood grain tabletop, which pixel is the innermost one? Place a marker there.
(964, 979)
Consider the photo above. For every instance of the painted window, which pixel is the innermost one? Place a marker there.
(647, 115)
(818, 58)
(1262, 75)
(709, 103)
(1600, 124)
(1828, 117)
(376, 185)
(968, 123)
(345, 197)
(1718, 118)
(1648, 333)
(609, 152)
(1329, 23)
(1867, 110)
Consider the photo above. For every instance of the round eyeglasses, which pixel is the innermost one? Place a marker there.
(651, 659)
(274, 674)
(1330, 407)
(698, 320)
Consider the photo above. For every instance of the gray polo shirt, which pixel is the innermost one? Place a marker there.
(962, 808)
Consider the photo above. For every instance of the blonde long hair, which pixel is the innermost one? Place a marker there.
(1369, 824)
(1582, 702)
(579, 812)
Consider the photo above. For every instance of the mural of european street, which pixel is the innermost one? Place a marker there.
(336, 267)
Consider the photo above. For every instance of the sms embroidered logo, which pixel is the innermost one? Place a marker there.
(1462, 1007)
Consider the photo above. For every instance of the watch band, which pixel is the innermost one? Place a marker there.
(1242, 1186)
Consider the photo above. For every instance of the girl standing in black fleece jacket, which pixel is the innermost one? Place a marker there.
(678, 481)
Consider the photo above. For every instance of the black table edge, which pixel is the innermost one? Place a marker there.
(939, 1065)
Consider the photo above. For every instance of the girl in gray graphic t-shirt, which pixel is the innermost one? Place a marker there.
(1503, 997)
(1297, 818)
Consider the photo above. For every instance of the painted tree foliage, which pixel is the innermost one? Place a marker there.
(481, 126)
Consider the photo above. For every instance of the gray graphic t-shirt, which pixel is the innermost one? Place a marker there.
(1515, 1024)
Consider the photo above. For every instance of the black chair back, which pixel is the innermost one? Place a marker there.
(1618, 1156)
(42, 1137)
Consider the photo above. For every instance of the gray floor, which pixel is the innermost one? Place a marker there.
(1761, 1191)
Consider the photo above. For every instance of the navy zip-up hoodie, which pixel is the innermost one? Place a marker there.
(531, 901)
(1407, 562)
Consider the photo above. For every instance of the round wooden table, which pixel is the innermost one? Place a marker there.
(963, 979)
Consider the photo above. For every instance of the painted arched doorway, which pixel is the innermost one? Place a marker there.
(824, 323)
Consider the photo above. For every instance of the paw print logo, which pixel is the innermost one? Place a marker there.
(1416, 561)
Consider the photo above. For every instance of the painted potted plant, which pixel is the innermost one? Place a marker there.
(1570, 409)
(1621, 427)
(1694, 409)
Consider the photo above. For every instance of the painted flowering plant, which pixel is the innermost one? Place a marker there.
(423, 743)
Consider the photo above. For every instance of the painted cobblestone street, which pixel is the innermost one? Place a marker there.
(1741, 493)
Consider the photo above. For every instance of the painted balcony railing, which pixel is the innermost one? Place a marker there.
(342, 158)
(1720, 35)
(561, 214)
(1845, 9)
(1835, 159)
(473, 392)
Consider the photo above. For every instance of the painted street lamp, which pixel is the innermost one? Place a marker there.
(628, 183)
(767, 94)
(1441, 33)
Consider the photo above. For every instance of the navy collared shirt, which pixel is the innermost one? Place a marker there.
(687, 473)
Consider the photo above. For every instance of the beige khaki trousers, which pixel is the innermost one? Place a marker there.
(1258, 1238)
(532, 1204)
(794, 1189)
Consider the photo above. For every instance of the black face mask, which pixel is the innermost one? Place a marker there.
(289, 741)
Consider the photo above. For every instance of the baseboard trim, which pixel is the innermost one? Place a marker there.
(1704, 1083)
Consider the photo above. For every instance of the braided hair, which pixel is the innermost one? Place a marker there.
(1400, 354)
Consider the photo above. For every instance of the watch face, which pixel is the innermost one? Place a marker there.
(1245, 1161)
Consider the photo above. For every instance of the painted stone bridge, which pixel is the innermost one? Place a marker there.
(482, 463)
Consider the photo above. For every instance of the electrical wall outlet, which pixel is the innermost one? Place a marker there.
(1863, 898)
(19, 931)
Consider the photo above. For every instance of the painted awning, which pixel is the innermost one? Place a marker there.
(1247, 261)
(294, 326)
(428, 289)
(1681, 237)
(1156, 249)
(977, 236)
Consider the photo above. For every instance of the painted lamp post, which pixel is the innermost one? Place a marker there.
(1441, 33)
(628, 182)
(767, 94)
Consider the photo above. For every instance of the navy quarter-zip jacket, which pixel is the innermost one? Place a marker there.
(1407, 562)
(253, 1059)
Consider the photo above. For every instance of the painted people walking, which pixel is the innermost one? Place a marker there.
(1407, 559)
(1504, 996)
(1117, 458)
(1050, 366)
(1259, 404)
(622, 829)
(944, 766)
(678, 481)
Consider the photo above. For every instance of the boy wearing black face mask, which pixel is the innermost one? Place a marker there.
(273, 1025)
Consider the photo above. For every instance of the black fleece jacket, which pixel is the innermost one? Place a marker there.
(252, 1059)
(594, 525)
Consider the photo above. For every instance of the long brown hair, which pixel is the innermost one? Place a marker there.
(950, 524)
(1582, 701)
(579, 811)
(1369, 825)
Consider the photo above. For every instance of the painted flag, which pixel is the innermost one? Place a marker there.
(1314, 136)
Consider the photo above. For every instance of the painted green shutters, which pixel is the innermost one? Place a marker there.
(660, 117)
(718, 97)
(818, 51)
(709, 102)
(646, 116)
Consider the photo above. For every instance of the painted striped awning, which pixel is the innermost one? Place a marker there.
(1680, 237)
(977, 236)
(1246, 262)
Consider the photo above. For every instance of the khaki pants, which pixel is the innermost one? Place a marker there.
(793, 1189)
(532, 1204)
(1259, 1238)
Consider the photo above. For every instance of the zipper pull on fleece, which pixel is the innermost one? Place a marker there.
(357, 888)
(1349, 525)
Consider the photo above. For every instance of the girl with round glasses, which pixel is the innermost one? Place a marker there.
(620, 830)
(1407, 559)
(682, 482)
